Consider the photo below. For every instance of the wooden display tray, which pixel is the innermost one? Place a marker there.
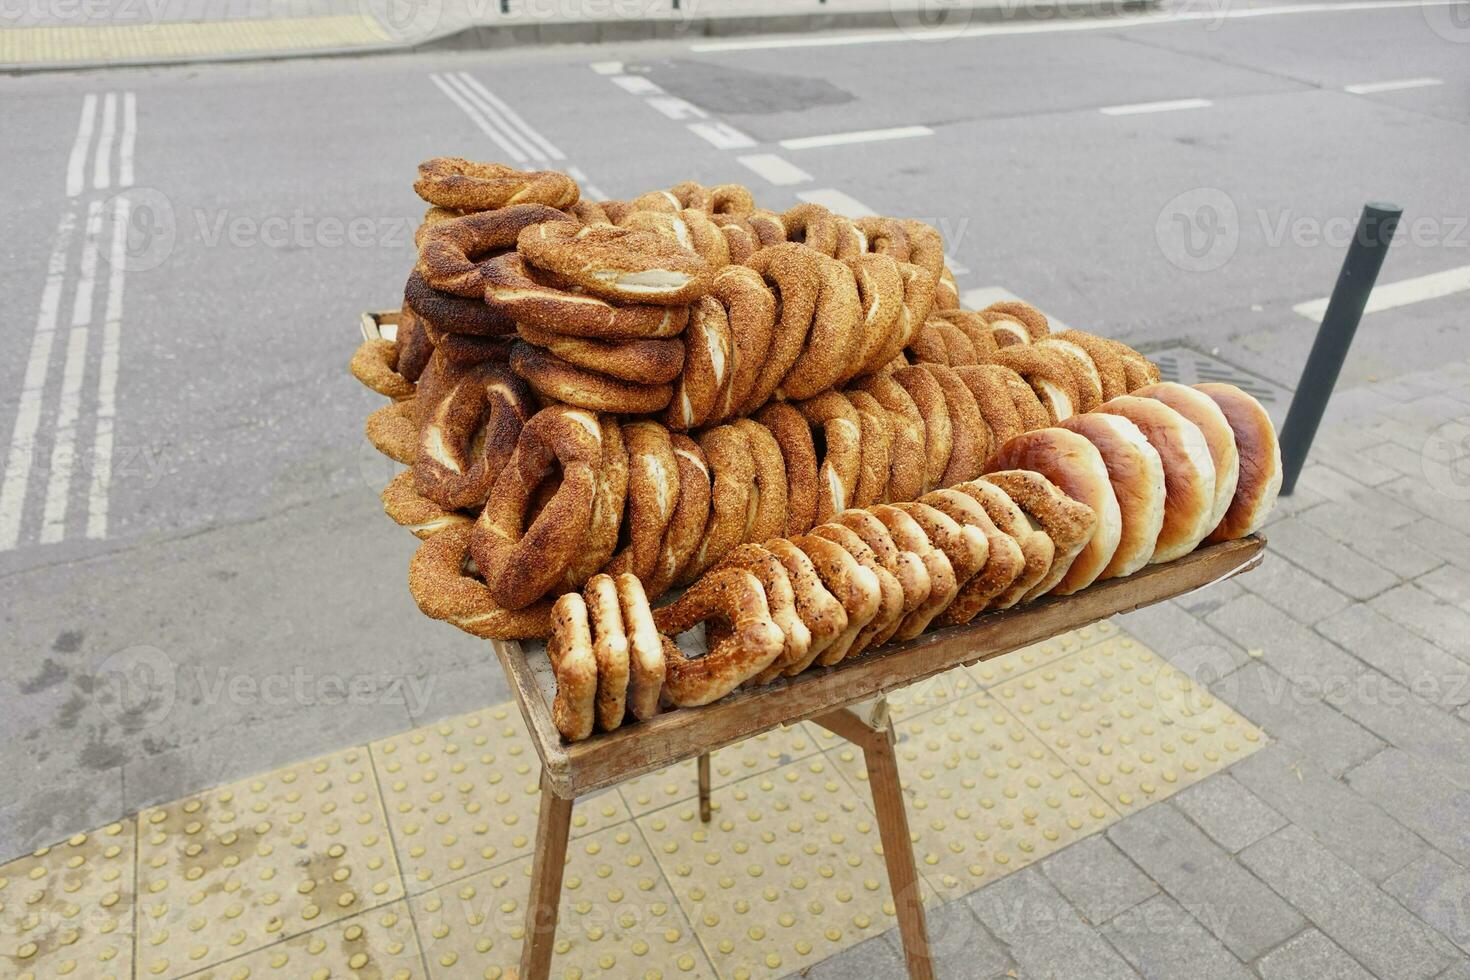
(829, 697)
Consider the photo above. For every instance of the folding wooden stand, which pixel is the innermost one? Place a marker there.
(833, 698)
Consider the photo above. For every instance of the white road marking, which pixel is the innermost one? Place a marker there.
(98, 495)
(547, 150)
(1054, 26)
(979, 299)
(28, 413)
(722, 135)
(589, 190)
(1133, 109)
(509, 148)
(837, 202)
(860, 136)
(101, 178)
(677, 108)
(496, 118)
(777, 170)
(607, 67)
(1368, 88)
(637, 84)
(129, 139)
(81, 307)
(76, 164)
(1387, 296)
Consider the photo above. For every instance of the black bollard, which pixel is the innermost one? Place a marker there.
(1335, 335)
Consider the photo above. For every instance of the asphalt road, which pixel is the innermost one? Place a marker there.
(196, 580)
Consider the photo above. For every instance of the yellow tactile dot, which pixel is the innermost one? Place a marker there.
(377, 944)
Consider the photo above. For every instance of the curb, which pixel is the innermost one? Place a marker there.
(491, 37)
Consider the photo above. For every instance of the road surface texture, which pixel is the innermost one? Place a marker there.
(197, 582)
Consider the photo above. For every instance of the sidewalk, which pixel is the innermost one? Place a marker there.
(49, 35)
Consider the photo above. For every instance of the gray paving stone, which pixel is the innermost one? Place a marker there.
(1297, 717)
(1237, 908)
(1460, 971)
(1096, 877)
(960, 945)
(1420, 798)
(1448, 583)
(53, 812)
(1043, 933)
(1291, 649)
(1431, 673)
(1227, 811)
(1337, 486)
(1369, 537)
(1437, 890)
(1351, 826)
(1310, 956)
(1164, 942)
(1354, 459)
(1429, 616)
(1424, 499)
(1396, 457)
(1393, 713)
(1187, 642)
(1373, 928)
(874, 957)
(1213, 596)
(1343, 568)
(1440, 539)
(1298, 593)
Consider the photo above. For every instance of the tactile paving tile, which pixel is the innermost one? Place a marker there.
(1131, 725)
(618, 918)
(234, 869)
(462, 795)
(762, 753)
(787, 873)
(1028, 658)
(379, 944)
(985, 797)
(68, 910)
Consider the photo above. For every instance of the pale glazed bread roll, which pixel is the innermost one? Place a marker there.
(1137, 475)
(1201, 409)
(1077, 468)
(1189, 472)
(1260, 462)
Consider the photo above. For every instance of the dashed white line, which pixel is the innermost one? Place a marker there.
(76, 164)
(101, 178)
(1387, 296)
(495, 116)
(722, 136)
(543, 147)
(98, 494)
(859, 136)
(777, 170)
(608, 67)
(637, 84)
(501, 140)
(1171, 105)
(129, 140)
(589, 189)
(837, 202)
(1368, 88)
(677, 108)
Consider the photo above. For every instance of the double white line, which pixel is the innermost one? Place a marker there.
(115, 130)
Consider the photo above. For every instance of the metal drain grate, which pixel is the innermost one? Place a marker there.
(1189, 366)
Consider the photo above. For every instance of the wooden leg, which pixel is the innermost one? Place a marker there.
(704, 805)
(552, 828)
(898, 852)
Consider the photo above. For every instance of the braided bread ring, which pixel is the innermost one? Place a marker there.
(906, 454)
(569, 649)
(1003, 564)
(928, 346)
(560, 381)
(691, 513)
(442, 589)
(392, 432)
(1048, 374)
(926, 248)
(628, 265)
(609, 649)
(521, 564)
(645, 649)
(835, 327)
(454, 182)
(727, 450)
(850, 583)
(880, 298)
(1067, 522)
(974, 327)
(928, 397)
(823, 615)
(966, 547)
(957, 344)
(731, 595)
(469, 349)
(649, 362)
(751, 310)
(910, 537)
(413, 346)
(841, 451)
(1037, 550)
(987, 382)
(690, 229)
(767, 511)
(469, 436)
(698, 388)
(792, 273)
(885, 236)
(1005, 314)
(918, 300)
(813, 226)
(606, 520)
(972, 439)
(590, 212)
(890, 592)
(1086, 379)
(511, 290)
(1112, 378)
(799, 455)
(375, 364)
(781, 599)
(906, 566)
(740, 242)
(408, 508)
(876, 446)
(946, 292)
(653, 494)
(450, 251)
